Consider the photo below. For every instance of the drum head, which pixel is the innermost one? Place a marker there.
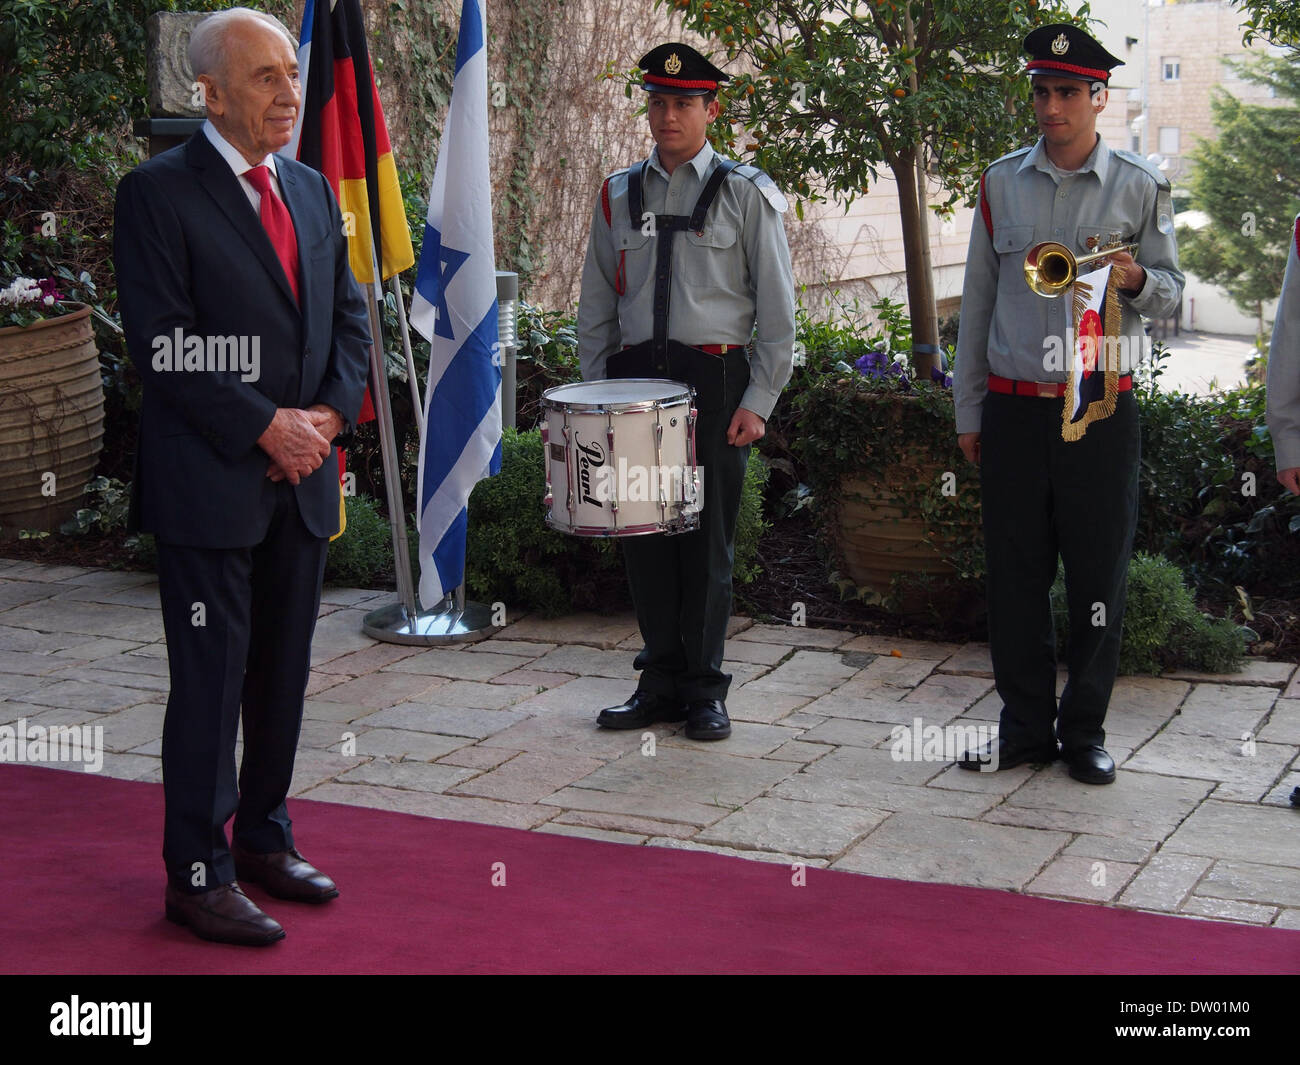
(616, 392)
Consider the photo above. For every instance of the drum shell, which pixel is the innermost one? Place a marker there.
(588, 473)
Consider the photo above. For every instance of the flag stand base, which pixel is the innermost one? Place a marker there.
(466, 623)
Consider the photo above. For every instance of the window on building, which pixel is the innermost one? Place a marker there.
(1168, 140)
(1169, 67)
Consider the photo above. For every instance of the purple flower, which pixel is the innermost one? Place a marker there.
(878, 364)
(49, 287)
(940, 378)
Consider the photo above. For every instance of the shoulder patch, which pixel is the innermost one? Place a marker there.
(765, 185)
(1133, 159)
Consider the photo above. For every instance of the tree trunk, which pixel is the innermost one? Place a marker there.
(916, 256)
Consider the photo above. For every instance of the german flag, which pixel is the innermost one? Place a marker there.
(342, 134)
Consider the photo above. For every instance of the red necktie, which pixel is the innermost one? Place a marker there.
(279, 226)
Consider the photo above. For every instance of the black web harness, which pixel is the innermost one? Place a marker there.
(667, 226)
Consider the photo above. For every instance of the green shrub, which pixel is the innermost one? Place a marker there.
(1162, 627)
(514, 557)
(364, 553)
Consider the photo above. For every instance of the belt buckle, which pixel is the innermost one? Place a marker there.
(1047, 389)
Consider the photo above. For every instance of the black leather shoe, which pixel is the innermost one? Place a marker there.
(706, 719)
(224, 915)
(644, 708)
(1092, 765)
(284, 874)
(1009, 755)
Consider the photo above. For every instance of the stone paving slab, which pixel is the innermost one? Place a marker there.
(447, 720)
(625, 824)
(834, 787)
(973, 658)
(1109, 848)
(451, 807)
(17, 593)
(747, 740)
(765, 654)
(950, 850)
(1254, 671)
(1230, 911)
(808, 829)
(893, 647)
(1087, 879)
(79, 695)
(87, 619)
(761, 707)
(706, 778)
(1250, 882)
(793, 862)
(397, 743)
(593, 630)
(806, 673)
(583, 832)
(369, 659)
(407, 775)
(948, 690)
(1212, 758)
(1165, 881)
(531, 777)
(1283, 723)
(797, 636)
(1242, 833)
(455, 665)
(662, 807)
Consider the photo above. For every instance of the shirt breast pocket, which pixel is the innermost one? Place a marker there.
(1012, 240)
(713, 257)
(634, 251)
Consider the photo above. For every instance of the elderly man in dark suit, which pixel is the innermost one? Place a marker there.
(249, 332)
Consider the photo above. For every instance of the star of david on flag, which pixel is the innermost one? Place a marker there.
(455, 309)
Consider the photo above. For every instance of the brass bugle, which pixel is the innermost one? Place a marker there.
(1051, 268)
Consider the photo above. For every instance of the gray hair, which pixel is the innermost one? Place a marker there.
(208, 48)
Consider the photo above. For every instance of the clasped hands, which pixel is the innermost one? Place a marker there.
(298, 441)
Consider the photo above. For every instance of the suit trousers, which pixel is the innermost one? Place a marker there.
(1043, 497)
(239, 625)
(681, 584)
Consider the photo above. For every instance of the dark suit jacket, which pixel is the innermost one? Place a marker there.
(191, 254)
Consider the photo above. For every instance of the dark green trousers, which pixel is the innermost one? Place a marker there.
(1042, 498)
(681, 584)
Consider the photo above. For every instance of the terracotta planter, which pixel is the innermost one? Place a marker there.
(880, 536)
(51, 420)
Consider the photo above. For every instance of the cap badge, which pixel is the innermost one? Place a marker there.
(1060, 45)
(672, 65)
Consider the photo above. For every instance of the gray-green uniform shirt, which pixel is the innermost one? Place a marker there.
(1283, 403)
(1008, 329)
(730, 284)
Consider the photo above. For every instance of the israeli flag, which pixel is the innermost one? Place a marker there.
(455, 309)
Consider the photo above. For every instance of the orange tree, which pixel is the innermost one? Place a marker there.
(1277, 21)
(838, 90)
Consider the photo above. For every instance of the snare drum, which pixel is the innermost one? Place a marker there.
(620, 458)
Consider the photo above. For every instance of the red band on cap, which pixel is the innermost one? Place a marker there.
(680, 83)
(1052, 64)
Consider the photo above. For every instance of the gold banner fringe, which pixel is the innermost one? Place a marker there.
(1104, 407)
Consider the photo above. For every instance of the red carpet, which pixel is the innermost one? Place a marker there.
(81, 884)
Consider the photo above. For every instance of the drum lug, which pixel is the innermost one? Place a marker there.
(548, 500)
